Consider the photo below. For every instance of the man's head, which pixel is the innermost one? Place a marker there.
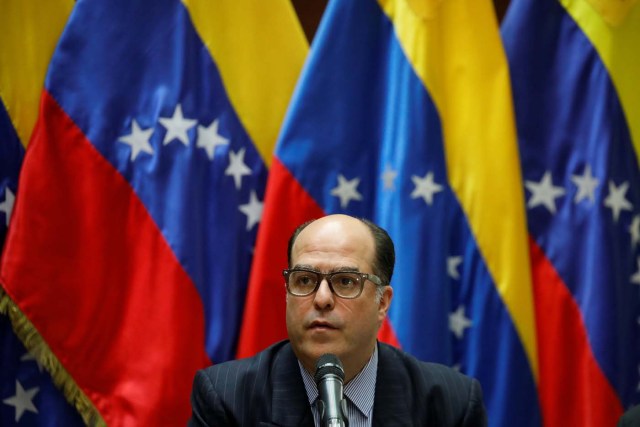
(323, 322)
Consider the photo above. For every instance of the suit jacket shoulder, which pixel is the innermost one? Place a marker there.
(424, 393)
(630, 418)
(265, 389)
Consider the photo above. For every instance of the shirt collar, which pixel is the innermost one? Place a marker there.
(360, 390)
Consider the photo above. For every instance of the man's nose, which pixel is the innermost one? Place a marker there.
(324, 298)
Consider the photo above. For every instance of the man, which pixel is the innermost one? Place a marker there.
(338, 294)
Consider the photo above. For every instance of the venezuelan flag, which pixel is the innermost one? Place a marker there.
(128, 254)
(575, 67)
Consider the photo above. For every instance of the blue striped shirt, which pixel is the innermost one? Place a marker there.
(360, 392)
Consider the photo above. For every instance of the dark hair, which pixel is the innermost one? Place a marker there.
(384, 257)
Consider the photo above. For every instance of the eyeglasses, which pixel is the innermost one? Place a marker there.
(345, 284)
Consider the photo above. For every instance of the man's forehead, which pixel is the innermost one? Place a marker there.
(333, 227)
(330, 247)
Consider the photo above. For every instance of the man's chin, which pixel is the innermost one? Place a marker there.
(316, 348)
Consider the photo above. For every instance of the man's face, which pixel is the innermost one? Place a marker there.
(322, 322)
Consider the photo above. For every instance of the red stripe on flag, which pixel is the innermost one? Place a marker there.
(387, 334)
(287, 205)
(88, 266)
(573, 389)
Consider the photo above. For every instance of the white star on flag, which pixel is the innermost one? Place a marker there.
(7, 205)
(28, 356)
(616, 200)
(22, 400)
(425, 187)
(544, 193)
(452, 266)
(586, 185)
(458, 322)
(237, 168)
(634, 230)
(346, 190)
(253, 210)
(209, 138)
(636, 276)
(388, 178)
(138, 139)
(177, 127)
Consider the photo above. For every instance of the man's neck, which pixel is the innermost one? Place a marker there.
(351, 368)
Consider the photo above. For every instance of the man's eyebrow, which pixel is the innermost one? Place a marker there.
(335, 270)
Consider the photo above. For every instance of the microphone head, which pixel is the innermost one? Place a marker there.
(328, 364)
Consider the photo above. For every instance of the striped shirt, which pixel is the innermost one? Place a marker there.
(360, 392)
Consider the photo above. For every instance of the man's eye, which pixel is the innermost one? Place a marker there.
(305, 280)
(344, 281)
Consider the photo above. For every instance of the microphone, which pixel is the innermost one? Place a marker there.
(329, 377)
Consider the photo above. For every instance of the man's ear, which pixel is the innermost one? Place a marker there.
(385, 301)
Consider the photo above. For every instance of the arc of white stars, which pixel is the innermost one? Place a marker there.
(452, 266)
(616, 199)
(138, 140)
(177, 127)
(209, 138)
(634, 230)
(586, 184)
(7, 205)
(253, 210)
(635, 278)
(346, 190)
(544, 193)
(23, 400)
(237, 167)
(388, 178)
(458, 322)
(425, 187)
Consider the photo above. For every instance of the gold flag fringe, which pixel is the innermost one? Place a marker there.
(36, 345)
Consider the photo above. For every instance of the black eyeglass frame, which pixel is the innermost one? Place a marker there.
(321, 276)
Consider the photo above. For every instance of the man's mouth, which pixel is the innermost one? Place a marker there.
(321, 325)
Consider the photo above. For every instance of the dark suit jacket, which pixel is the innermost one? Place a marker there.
(267, 390)
(631, 418)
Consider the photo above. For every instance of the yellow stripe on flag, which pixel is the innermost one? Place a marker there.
(455, 48)
(613, 27)
(259, 48)
(30, 32)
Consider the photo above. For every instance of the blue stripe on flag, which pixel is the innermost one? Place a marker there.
(11, 154)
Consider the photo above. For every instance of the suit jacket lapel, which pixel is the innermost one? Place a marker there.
(392, 400)
(290, 405)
